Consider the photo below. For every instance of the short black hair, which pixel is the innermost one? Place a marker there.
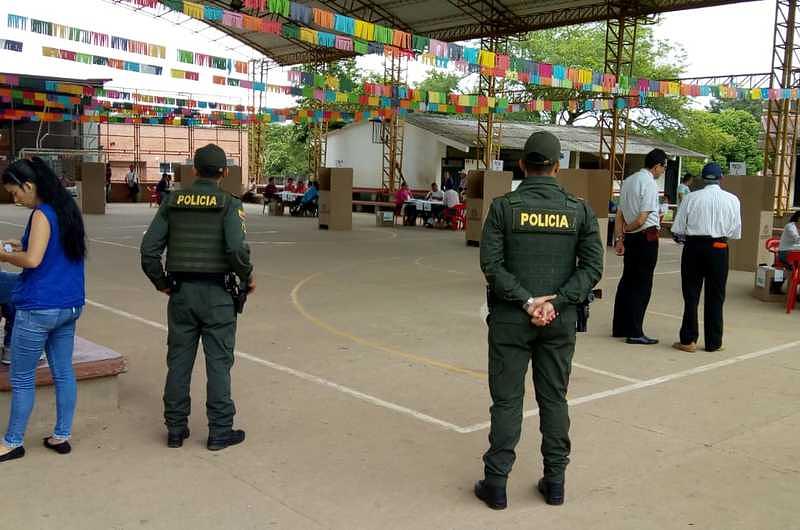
(271, 179)
(534, 169)
(687, 177)
(656, 157)
(210, 172)
(795, 217)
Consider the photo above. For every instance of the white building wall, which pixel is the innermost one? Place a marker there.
(352, 147)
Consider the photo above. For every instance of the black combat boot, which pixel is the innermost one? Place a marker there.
(553, 492)
(221, 441)
(175, 439)
(493, 496)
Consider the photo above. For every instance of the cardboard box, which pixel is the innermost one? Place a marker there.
(232, 183)
(590, 185)
(335, 198)
(756, 195)
(385, 218)
(768, 283)
(482, 188)
(92, 188)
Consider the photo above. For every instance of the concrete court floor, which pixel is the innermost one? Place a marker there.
(361, 382)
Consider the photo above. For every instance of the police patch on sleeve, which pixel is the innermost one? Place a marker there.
(549, 221)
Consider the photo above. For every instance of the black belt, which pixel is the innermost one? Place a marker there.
(199, 276)
(642, 232)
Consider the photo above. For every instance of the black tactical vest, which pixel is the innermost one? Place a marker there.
(196, 231)
(541, 236)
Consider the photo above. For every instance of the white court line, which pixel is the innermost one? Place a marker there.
(301, 375)
(652, 382)
(113, 243)
(604, 372)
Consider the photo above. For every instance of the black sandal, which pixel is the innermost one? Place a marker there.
(63, 448)
(18, 452)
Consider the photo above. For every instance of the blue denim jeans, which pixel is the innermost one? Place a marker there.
(8, 280)
(35, 330)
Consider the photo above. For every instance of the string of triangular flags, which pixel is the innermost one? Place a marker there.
(363, 37)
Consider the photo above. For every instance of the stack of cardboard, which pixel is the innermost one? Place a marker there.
(92, 188)
(769, 281)
(482, 188)
(757, 197)
(335, 198)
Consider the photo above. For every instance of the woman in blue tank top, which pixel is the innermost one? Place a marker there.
(48, 299)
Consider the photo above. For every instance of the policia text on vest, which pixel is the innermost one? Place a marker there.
(203, 231)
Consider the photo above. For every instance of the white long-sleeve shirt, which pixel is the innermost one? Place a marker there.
(790, 238)
(711, 212)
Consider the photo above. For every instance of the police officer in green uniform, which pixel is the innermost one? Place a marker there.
(541, 254)
(203, 230)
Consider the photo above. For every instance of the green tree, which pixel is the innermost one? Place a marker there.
(438, 81)
(584, 46)
(286, 151)
(726, 136)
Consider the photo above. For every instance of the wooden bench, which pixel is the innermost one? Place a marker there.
(96, 369)
(374, 204)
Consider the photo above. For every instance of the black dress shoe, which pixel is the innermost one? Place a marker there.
(493, 496)
(175, 439)
(553, 492)
(18, 452)
(644, 340)
(63, 448)
(221, 441)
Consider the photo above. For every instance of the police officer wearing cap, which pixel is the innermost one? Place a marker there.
(203, 231)
(541, 254)
(705, 221)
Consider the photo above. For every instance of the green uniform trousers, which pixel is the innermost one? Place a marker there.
(198, 310)
(511, 348)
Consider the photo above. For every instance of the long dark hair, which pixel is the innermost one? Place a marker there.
(795, 217)
(50, 191)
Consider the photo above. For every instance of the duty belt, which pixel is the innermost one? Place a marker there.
(214, 277)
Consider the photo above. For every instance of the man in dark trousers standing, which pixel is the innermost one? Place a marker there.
(705, 221)
(203, 230)
(636, 237)
(541, 254)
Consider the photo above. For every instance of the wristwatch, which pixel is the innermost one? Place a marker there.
(528, 304)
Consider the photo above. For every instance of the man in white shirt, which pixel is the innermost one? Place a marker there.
(435, 194)
(706, 220)
(637, 230)
(132, 180)
(451, 198)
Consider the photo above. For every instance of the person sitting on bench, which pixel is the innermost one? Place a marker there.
(307, 202)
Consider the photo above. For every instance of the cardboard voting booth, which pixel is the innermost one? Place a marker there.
(482, 188)
(594, 187)
(91, 183)
(335, 198)
(232, 183)
(756, 195)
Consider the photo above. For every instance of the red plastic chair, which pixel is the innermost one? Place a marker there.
(791, 294)
(773, 244)
(456, 216)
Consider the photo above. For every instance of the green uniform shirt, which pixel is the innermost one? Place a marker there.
(539, 240)
(237, 251)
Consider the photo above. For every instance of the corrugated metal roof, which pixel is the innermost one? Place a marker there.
(514, 135)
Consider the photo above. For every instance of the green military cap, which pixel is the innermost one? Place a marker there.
(542, 148)
(210, 160)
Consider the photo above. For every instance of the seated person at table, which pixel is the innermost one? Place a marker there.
(403, 195)
(162, 188)
(251, 195)
(790, 239)
(435, 194)
(451, 200)
(301, 187)
(306, 202)
(290, 186)
(271, 191)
